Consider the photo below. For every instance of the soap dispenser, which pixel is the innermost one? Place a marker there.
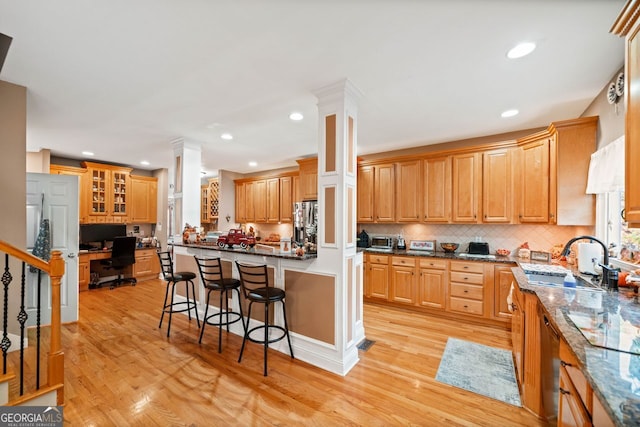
(569, 281)
(401, 244)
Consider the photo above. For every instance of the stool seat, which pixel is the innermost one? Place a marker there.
(172, 278)
(266, 294)
(212, 279)
(254, 281)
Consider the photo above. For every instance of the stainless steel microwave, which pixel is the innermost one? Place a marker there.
(382, 242)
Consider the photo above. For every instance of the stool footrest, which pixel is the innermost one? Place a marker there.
(234, 317)
(190, 305)
(263, 327)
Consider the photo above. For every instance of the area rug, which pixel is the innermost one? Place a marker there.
(480, 369)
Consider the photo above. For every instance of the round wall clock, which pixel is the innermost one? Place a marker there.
(620, 84)
(612, 97)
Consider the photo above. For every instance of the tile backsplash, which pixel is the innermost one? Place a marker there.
(540, 237)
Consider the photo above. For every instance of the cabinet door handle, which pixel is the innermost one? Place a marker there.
(565, 364)
(563, 391)
(466, 267)
(466, 291)
(515, 308)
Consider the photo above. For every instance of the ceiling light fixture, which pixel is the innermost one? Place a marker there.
(509, 113)
(523, 49)
(88, 153)
(296, 117)
(226, 136)
(253, 164)
(144, 163)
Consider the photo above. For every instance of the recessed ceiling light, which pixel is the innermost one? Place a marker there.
(509, 113)
(226, 136)
(144, 163)
(523, 49)
(253, 164)
(88, 153)
(295, 116)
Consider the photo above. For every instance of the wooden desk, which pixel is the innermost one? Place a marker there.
(146, 267)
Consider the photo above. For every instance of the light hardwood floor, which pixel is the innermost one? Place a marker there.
(121, 370)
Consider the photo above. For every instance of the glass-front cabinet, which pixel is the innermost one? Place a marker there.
(107, 191)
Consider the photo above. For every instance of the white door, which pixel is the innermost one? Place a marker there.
(54, 197)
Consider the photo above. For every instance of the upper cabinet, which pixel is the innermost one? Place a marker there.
(376, 193)
(204, 204)
(143, 199)
(497, 186)
(628, 25)
(265, 200)
(308, 179)
(466, 186)
(408, 190)
(533, 182)
(82, 175)
(108, 191)
(436, 189)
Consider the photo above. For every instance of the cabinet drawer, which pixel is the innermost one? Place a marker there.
(572, 367)
(437, 264)
(474, 278)
(470, 267)
(378, 259)
(466, 291)
(141, 253)
(463, 305)
(404, 261)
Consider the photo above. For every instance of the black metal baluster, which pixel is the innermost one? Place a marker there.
(6, 342)
(22, 318)
(38, 308)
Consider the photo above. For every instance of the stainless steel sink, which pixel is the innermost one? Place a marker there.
(557, 281)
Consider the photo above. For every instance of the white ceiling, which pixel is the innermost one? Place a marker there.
(124, 78)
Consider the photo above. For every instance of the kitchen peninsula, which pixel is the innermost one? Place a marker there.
(310, 303)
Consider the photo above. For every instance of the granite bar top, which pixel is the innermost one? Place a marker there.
(614, 375)
(248, 251)
(456, 256)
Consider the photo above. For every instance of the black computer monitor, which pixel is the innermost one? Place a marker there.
(101, 233)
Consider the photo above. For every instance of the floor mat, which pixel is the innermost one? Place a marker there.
(480, 369)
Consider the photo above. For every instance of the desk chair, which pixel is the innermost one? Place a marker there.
(172, 278)
(214, 281)
(254, 281)
(123, 255)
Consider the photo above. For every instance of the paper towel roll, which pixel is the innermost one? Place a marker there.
(587, 253)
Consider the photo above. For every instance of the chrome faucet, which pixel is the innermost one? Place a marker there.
(605, 276)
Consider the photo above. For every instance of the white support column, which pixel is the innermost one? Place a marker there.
(187, 161)
(337, 173)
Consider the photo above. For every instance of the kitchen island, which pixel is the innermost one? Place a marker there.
(312, 296)
(608, 318)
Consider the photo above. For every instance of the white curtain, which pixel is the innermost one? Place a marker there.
(606, 169)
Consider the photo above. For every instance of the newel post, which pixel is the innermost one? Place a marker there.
(56, 355)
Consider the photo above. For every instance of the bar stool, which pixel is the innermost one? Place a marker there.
(255, 287)
(166, 263)
(213, 281)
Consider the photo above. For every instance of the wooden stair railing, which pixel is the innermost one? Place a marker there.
(55, 269)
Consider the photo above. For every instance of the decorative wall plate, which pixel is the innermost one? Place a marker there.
(612, 97)
(620, 84)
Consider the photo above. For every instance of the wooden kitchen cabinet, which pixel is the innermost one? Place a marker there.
(503, 278)
(436, 189)
(147, 265)
(260, 200)
(241, 204)
(213, 194)
(432, 283)
(497, 186)
(628, 25)
(108, 188)
(376, 193)
(273, 200)
(84, 197)
(286, 199)
(517, 332)
(143, 199)
(84, 274)
(571, 411)
(404, 283)
(377, 283)
(308, 178)
(204, 204)
(408, 190)
(466, 288)
(466, 170)
(534, 181)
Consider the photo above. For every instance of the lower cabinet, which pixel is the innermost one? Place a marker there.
(517, 332)
(458, 287)
(147, 265)
(84, 272)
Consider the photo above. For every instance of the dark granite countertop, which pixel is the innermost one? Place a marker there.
(614, 375)
(249, 251)
(457, 256)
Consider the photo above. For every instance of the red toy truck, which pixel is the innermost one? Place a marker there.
(236, 237)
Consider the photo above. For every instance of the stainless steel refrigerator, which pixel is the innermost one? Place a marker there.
(305, 224)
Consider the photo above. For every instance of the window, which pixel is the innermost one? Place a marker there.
(611, 228)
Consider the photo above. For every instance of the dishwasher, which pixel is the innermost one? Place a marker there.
(550, 366)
